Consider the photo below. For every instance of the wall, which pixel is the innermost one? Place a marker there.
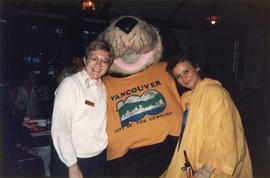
(254, 66)
(195, 42)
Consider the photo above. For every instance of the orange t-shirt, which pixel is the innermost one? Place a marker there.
(143, 109)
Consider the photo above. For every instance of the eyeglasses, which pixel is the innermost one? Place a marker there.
(93, 59)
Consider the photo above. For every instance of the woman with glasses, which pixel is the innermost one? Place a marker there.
(79, 117)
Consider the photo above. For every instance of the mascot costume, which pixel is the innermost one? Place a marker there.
(144, 110)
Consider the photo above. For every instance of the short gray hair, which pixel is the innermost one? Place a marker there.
(99, 45)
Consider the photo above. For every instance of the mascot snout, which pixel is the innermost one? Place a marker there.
(137, 45)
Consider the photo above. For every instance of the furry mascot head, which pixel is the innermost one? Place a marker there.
(143, 105)
(136, 43)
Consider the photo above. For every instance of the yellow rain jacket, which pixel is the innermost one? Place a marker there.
(213, 134)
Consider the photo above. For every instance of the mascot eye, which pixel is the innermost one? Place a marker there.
(126, 24)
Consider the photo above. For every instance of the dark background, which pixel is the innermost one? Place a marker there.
(44, 36)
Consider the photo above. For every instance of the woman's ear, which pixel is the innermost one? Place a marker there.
(198, 69)
(84, 61)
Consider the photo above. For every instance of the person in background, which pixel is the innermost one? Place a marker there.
(17, 152)
(26, 106)
(26, 95)
(213, 136)
(44, 96)
(77, 65)
(79, 117)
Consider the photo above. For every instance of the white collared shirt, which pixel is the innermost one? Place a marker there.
(29, 100)
(79, 118)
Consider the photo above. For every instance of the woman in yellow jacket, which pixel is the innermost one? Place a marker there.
(213, 135)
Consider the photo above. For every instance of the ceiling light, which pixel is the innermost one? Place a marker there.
(88, 5)
(213, 19)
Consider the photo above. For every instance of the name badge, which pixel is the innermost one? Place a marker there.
(90, 103)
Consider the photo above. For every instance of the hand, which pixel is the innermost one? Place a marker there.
(204, 172)
(74, 171)
(27, 150)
